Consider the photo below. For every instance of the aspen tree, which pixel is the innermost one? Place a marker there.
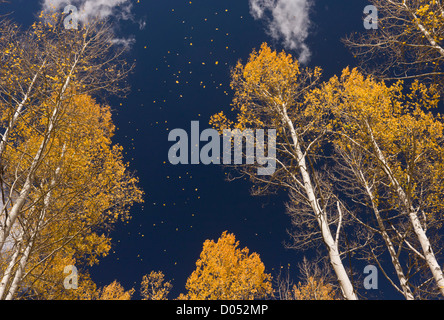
(393, 146)
(269, 94)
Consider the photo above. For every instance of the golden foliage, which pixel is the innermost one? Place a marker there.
(367, 114)
(268, 82)
(84, 187)
(63, 181)
(154, 287)
(115, 291)
(49, 282)
(313, 289)
(225, 272)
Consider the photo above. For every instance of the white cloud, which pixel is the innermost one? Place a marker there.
(287, 21)
(88, 9)
(102, 9)
(127, 43)
(142, 24)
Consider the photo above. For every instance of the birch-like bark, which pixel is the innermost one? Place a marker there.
(406, 291)
(19, 272)
(321, 218)
(18, 111)
(426, 247)
(8, 272)
(24, 192)
(423, 30)
(18, 277)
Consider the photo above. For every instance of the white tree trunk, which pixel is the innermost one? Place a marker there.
(423, 30)
(19, 272)
(23, 261)
(406, 291)
(413, 216)
(7, 275)
(18, 111)
(24, 192)
(332, 245)
(427, 250)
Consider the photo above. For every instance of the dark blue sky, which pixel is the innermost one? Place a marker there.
(173, 84)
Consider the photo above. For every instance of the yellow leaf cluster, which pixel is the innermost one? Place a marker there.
(115, 291)
(313, 289)
(365, 113)
(154, 287)
(225, 272)
(267, 83)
